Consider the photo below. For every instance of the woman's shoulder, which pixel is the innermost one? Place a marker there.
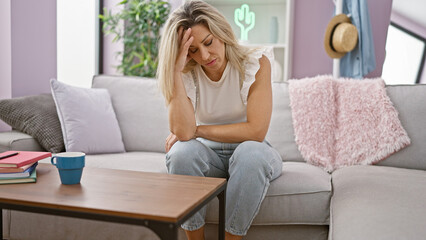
(256, 54)
(256, 58)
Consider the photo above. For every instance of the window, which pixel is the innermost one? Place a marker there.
(405, 56)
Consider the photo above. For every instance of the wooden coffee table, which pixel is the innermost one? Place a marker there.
(161, 202)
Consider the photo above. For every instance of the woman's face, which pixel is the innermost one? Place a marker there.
(207, 50)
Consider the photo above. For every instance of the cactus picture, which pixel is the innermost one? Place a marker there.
(245, 20)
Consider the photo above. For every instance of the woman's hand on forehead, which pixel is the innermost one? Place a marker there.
(185, 40)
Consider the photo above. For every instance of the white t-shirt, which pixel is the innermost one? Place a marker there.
(223, 102)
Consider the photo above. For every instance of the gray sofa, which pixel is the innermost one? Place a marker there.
(385, 201)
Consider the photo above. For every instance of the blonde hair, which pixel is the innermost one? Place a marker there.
(190, 14)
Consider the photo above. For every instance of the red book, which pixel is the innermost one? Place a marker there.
(22, 158)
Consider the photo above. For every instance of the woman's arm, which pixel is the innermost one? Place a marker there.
(259, 110)
(181, 112)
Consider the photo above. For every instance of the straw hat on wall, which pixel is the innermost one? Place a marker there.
(341, 36)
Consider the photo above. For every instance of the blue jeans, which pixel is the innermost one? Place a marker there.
(249, 167)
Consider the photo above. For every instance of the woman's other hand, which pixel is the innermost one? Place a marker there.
(185, 41)
(170, 141)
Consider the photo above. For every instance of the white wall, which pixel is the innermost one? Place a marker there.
(76, 41)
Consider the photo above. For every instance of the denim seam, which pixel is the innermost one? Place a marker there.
(232, 218)
(265, 188)
(231, 223)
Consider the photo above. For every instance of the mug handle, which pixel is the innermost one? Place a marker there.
(51, 160)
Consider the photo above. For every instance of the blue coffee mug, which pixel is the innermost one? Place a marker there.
(70, 166)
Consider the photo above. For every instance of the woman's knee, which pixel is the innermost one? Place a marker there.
(185, 156)
(253, 156)
(251, 150)
(180, 151)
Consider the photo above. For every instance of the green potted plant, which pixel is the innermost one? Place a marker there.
(138, 26)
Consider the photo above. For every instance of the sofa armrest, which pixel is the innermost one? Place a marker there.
(15, 140)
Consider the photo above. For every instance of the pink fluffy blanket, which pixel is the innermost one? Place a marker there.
(342, 122)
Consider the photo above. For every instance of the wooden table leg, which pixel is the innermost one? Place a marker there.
(1, 223)
(222, 204)
(166, 231)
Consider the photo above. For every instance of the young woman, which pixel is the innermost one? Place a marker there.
(220, 102)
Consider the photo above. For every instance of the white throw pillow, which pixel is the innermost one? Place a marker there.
(88, 120)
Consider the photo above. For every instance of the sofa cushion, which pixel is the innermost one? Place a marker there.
(410, 102)
(376, 202)
(140, 109)
(136, 161)
(281, 132)
(88, 120)
(301, 195)
(18, 141)
(36, 116)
